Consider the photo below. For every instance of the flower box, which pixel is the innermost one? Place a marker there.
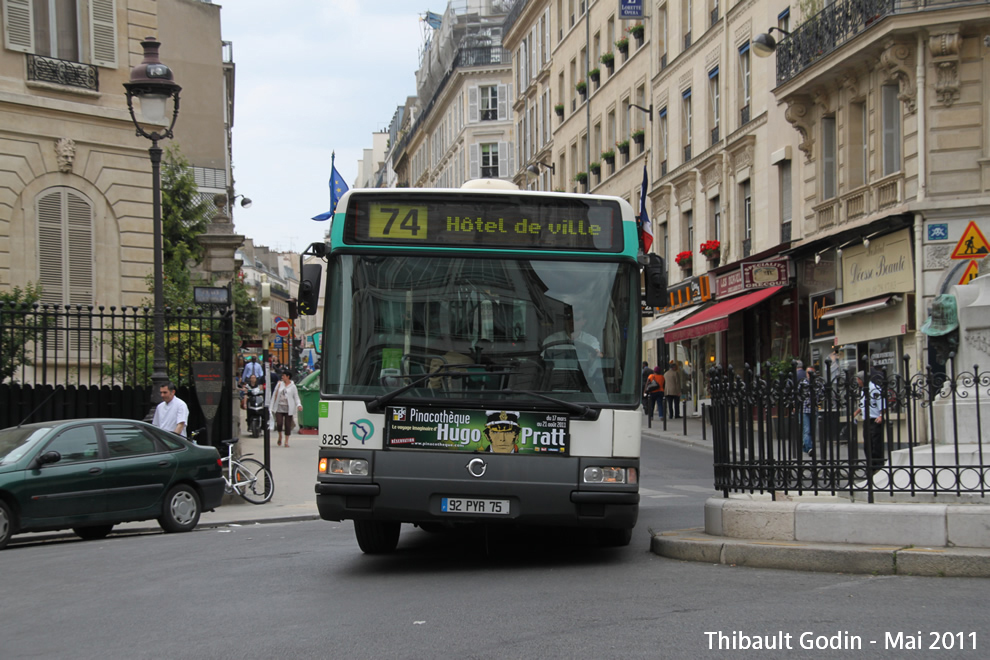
(595, 168)
(623, 146)
(623, 45)
(683, 259)
(559, 109)
(595, 74)
(581, 177)
(609, 157)
(712, 250)
(608, 59)
(581, 87)
(637, 31)
(638, 136)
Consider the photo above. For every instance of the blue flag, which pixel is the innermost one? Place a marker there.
(337, 190)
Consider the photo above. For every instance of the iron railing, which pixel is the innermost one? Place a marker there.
(100, 359)
(839, 22)
(63, 72)
(927, 441)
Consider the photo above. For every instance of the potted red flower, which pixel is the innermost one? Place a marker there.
(683, 259)
(711, 249)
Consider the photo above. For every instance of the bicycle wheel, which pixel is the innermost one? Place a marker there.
(261, 486)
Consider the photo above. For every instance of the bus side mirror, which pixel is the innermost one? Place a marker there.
(655, 278)
(309, 289)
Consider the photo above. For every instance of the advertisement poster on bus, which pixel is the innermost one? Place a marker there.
(493, 431)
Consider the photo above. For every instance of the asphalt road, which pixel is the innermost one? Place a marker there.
(304, 590)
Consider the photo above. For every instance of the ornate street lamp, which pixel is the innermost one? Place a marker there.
(151, 82)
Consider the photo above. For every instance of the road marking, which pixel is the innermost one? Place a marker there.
(657, 494)
(697, 489)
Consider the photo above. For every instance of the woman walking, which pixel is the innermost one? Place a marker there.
(284, 404)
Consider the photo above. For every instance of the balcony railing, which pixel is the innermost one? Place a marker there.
(663, 168)
(687, 40)
(714, 136)
(744, 115)
(687, 153)
(841, 21)
(62, 72)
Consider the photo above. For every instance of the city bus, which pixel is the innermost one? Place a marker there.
(480, 361)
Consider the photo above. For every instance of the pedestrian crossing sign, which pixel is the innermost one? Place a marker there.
(972, 270)
(972, 245)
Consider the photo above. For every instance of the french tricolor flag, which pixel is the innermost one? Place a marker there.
(645, 226)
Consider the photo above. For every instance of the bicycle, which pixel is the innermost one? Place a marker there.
(248, 477)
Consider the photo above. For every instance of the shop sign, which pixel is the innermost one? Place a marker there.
(493, 431)
(772, 272)
(885, 266)
(822, 328)
(758, 275)
(689, 292)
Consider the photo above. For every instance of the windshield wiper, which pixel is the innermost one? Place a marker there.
(578, 410)
(378, 404)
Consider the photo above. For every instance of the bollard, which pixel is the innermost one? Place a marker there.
(684, 416)
(704, 419)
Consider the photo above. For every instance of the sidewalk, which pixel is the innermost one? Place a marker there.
(827, 533)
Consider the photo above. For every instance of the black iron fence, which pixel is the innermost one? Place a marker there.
(63, 361)
(881, 434)
(838, 23)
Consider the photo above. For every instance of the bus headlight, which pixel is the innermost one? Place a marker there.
(609, 475)
(354, 466)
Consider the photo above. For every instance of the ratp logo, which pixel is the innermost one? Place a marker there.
(362, 430)
(398, 414)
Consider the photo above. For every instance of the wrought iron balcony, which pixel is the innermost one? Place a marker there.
(715, 135)
(687, 40)
(687, 153)
(663, 168)
(482, 56)
(62, 72)
(841, 21)
(744, 115)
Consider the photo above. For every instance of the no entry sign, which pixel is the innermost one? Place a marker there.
(282, 328)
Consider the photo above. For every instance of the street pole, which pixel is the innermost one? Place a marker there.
(159, 368)
(265, 340)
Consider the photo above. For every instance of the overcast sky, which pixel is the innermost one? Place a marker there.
(312, 77)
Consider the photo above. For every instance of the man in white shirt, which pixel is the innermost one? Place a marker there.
(172, 414)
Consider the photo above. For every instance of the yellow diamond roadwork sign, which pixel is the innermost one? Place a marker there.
(972, 270)
(972, 245)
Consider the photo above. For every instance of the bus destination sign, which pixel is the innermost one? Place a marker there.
(522, 222)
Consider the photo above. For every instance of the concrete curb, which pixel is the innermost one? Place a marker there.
(696, 545)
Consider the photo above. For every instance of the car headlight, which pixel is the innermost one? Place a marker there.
(609, 475)
(353, 466)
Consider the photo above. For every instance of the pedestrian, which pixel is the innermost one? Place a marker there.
(251, 368)
(274, 372)
(172, 414)
(672, 390)
(284, 404)
(871, 409)
(654, 392)
(647, 371)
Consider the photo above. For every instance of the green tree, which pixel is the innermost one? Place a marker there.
(184, 217)
(246, 315)
(16, 332)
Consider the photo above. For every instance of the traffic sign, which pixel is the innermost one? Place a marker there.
(282, 328)
(972, 245)
(972, 271)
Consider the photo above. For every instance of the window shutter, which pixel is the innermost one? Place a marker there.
(50, 253)
(785, 191)
(534, 44)
(503, 159)
(474, 166)
(103, 33)
(546, 35)
(79, 218)
(891, 129)
(510, 150)
(472, 105)
(503, 101)
(18, 26)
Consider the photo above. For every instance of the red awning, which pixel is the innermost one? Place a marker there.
(716, 317)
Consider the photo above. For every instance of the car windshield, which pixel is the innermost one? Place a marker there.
(15, 442)
(490, 328)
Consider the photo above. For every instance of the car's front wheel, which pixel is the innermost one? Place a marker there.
(6, 524)
(181, 509)
(377, 537)
(92, 533)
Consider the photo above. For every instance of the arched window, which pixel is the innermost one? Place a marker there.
(65, 247)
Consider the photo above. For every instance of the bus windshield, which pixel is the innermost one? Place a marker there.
(488, 328)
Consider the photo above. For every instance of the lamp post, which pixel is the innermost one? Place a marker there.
(151, 82)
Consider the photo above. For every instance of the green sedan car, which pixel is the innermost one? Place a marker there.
(91, 474)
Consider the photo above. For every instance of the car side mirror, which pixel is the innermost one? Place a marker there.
(46, 458)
